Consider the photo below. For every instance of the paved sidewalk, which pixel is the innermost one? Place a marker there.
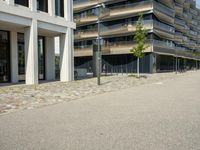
(161, 115)
(19, 97)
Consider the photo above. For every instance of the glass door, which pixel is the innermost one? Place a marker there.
(4, 57)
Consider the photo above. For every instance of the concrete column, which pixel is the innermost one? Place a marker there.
(67, 56)
(50, 58)
(51, 7)
(14, 57)
(33, 5)
(31, 53)
(152, 63)
(68, 10)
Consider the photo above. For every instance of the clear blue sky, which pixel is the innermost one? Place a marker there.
(198, 2)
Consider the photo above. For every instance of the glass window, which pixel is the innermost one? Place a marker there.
(41, 57)
(22, 2)
(59, 4)
(42, 5)
(21, 56)
(4, 56)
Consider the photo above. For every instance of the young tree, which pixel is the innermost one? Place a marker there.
(140, 37)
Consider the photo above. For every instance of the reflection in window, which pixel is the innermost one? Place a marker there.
(21, 56)
(59, 4)
(42, 5)
(41, 57)
(4, 56)
(22, 2)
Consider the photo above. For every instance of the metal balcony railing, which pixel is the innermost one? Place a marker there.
(123, 28)
(86, 18)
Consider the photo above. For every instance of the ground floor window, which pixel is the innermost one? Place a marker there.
(41, 57)
(4, 57)
(21, 57)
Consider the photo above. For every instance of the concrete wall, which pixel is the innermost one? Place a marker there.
(32, 23)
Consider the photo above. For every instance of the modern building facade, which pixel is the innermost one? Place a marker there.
(173, 33)
(27, 32)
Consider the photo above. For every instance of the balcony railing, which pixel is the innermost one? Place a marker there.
(122, 47)
(83, 4)
(180, 22)
(87, 33)
(121, 10)
(162, 8)
(125, 28)
(85, 19)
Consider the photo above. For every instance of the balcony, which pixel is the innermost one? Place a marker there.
(166, 48)
(169, 3)
(179, 24)
(86, 34)
(187, 4)
(164, 13)
(123, 47)
(178, 37)
(87, 50)
(194, 23)
(193, 11)
(179, 10)
(89, 18)
(186, 39)
(163, 30)
(160, 28)
(124, 28)
(193, 34)
(128, 9)
(80, 5)
(84, 50)
(180, 1)
(120, 29)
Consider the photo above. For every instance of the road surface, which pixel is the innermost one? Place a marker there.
(164, 115)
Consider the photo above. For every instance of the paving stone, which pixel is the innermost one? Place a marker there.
(17, 97)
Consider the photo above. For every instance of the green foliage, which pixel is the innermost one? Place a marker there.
(140, 38)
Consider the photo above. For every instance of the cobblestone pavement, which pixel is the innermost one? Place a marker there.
(17, 97)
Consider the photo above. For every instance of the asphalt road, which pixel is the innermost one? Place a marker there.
(159, 116)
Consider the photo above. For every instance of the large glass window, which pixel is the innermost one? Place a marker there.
(41, 57)
(59, 4)
(21, 56)
(42, 5)
(4, 56)
(22, 2)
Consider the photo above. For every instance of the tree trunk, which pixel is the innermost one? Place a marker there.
(138, 67)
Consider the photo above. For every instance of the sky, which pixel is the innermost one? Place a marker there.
(198, 2)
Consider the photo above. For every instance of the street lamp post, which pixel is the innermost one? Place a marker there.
(99, 49)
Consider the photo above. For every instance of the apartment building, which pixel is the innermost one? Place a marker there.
(173, 33)
(27, 32)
